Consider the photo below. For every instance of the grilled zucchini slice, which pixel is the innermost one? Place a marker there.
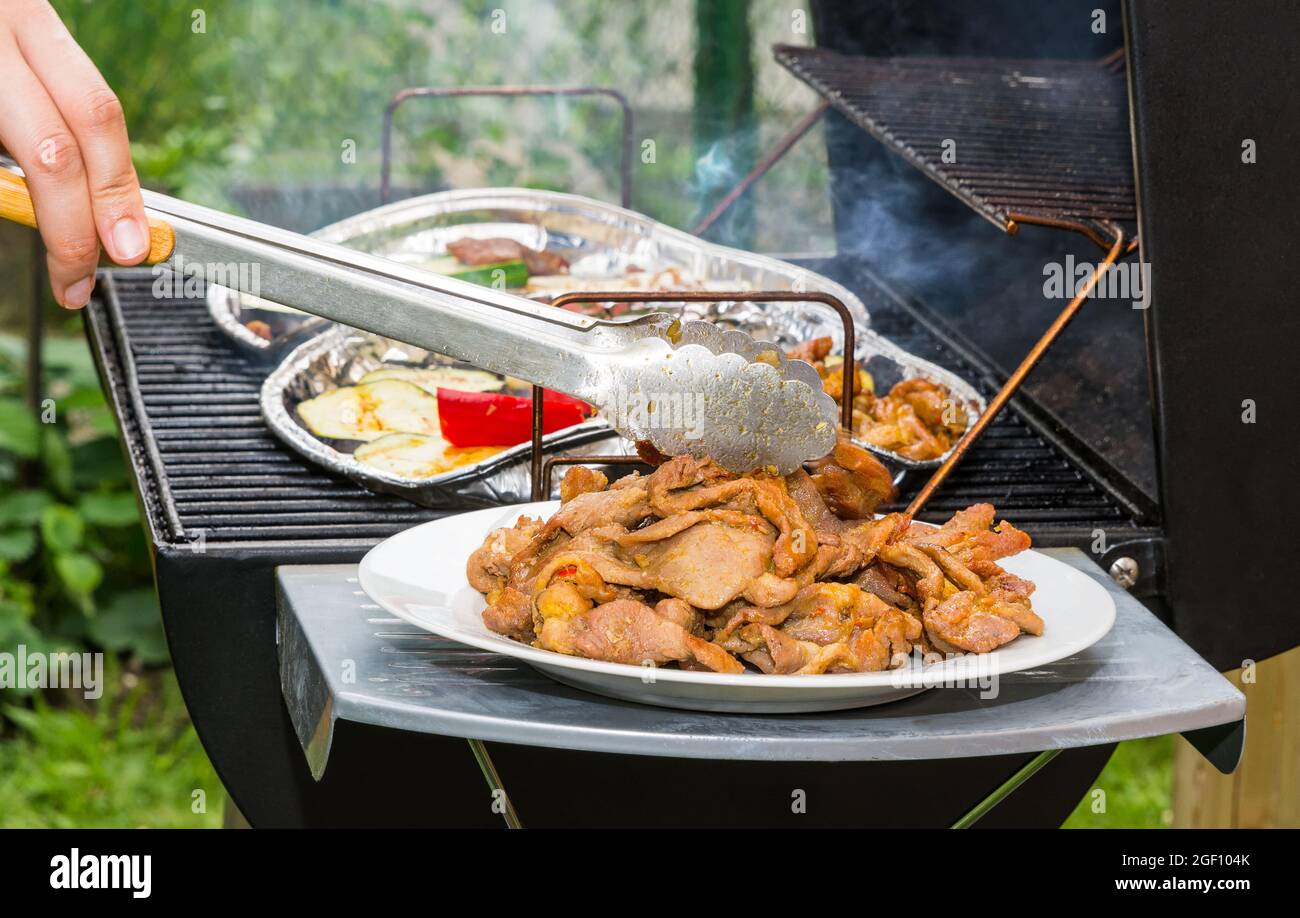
(431, 378)
(419, 456)
(371, 410)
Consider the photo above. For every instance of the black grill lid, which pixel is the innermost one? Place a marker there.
(1046, 140)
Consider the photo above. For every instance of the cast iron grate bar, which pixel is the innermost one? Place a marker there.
(1044, 139)
(227, 477)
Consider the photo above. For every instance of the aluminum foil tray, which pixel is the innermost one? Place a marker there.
(598, 239)
(340, 357)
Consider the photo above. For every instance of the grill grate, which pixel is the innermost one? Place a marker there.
(1042, 139)
(215, 472)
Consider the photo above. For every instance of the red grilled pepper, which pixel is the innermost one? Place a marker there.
(493, 419)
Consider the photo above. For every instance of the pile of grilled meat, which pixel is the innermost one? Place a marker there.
(917, 418)
(697, 566)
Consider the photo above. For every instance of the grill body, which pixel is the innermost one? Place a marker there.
(226, 504)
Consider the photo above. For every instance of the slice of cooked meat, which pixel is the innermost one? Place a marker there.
(1003, 586)
(767, 589)
(929, 401)
(825, 614)
(808, 498)
(804, 602)
(679, 612)
(489, 565)
(544, 263)
(472, 251)
(814, 350)
(861, 544)
(1026, 619)
(623, 506)
(828, 612)
(666, 528)
(888, 584)
(959, 574)
(510, 612)
(900, 630)
(685, 484)
(496, 250)
(672, 487)
(967, 621)
(780, 654)
(883, 645)
(581, 480)
(928, 576)
(851, 480)
(971, 538)
(626, 631)
(707, 565)
(650, 454)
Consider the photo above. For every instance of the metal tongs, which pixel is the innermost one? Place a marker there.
(686, 387)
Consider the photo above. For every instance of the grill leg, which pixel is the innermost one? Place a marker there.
(494, 783)
(1003, 791)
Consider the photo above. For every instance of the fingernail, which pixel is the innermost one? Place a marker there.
(129, 239)
(78, 294)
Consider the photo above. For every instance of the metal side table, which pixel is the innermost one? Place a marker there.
(342, 657)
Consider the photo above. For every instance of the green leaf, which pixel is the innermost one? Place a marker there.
(57, 461)
(17, 544)
(70, 359)
(131, 622)
(15, 629)
(62, 528)
(109, 509)
(79, 399)
(98, 463)
(79, 573)
(19, 431)
(23, 508)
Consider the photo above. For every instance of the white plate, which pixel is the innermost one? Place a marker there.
(419, 575)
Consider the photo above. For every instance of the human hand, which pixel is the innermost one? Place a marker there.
(64, 126)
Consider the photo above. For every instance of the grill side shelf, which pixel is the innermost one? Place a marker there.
(1140, 680)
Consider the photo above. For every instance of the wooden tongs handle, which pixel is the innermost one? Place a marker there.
(16, 206)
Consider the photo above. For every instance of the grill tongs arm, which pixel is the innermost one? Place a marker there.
(685, 387)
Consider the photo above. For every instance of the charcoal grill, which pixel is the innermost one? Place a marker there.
(227, 508)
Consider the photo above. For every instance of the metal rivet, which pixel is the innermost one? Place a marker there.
(1124, 571)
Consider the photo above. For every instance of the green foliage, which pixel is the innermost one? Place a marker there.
(121, 627)
(129, 759)
(259, 88)
(19, 432)
(71, 548)
(1137, 782)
